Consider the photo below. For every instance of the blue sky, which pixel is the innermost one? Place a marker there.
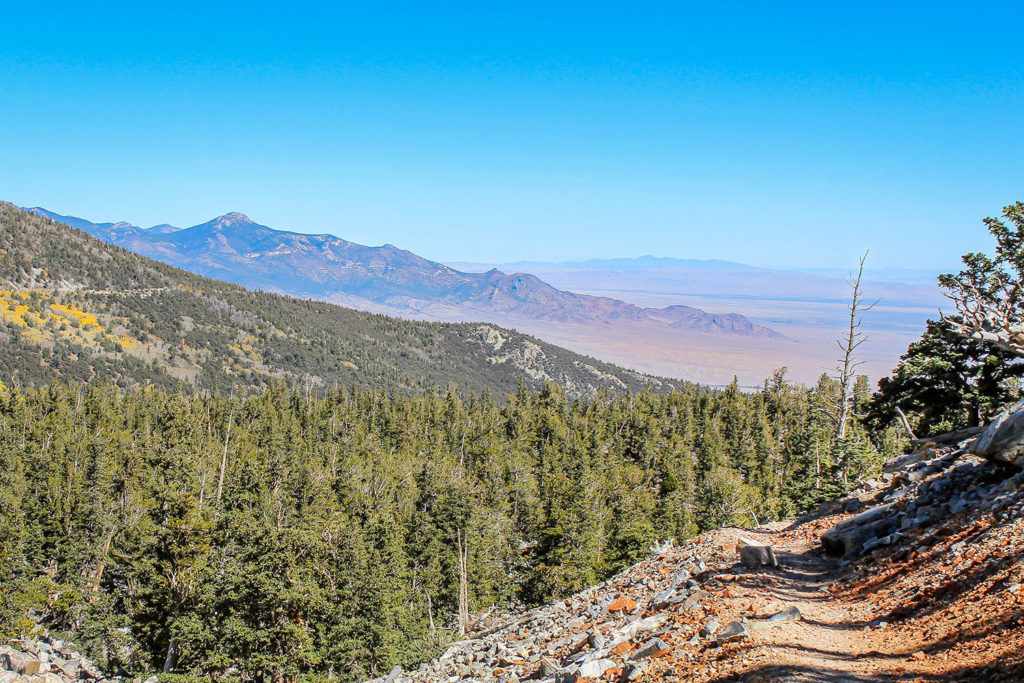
(779, 134)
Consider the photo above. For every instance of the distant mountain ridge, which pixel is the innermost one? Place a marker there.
(913, 276)
(74, 307)
(387, 279)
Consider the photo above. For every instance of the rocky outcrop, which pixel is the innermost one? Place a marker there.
(47, 660)
(1003, 439)
(935, 483)
(850, 536)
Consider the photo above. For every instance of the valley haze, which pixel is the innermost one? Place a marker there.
(647, 313)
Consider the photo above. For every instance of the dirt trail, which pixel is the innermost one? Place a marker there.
(833, 640)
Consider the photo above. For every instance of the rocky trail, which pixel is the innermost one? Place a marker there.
(825, 643)
(917, 576)
(830, 641)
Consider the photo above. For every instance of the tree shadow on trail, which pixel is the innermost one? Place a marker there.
(800, 576)
(1007, 668)
(803, 674)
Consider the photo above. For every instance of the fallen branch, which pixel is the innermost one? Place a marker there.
(906, 423)
(948, 437)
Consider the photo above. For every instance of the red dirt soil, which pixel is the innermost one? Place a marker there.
(948, 615)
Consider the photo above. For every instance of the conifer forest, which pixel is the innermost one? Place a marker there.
(278, 533)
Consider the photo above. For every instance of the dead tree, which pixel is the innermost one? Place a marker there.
(990, 314)
(846, 371)
(462, 546)
(841, 407)
(988, 293)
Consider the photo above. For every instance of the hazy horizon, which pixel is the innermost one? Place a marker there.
(828, 270)
(801, 134)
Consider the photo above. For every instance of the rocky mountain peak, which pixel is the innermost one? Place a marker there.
(232, 220)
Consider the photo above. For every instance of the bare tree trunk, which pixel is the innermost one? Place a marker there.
(905, 421)
(224, 457)
(97, 576)
(846, 372)
(202, 490)
(171, 660)
(430, 613)
(817, 467)
(463, 547)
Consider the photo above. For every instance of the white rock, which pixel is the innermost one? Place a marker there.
(595, 668)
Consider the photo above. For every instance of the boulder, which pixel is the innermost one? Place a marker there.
(596, 668)
(735, 630)
(70, 668)
(710, 628)
(651, 648)
(680, 577)
(848, 537)
(638, 628)
(19, 662)
(663, 599)
(902, 462)
(632, 671)
(548, 667)
(791, 614)
(1003, 439)
(754, 556)
(622, 606)
(89, 669)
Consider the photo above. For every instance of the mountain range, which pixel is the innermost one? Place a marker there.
(74, 307)
(387, 279)
(648, 313)
(807, 305)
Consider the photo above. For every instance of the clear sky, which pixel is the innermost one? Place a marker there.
(770, 133)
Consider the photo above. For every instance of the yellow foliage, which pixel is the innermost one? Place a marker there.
(84, 319)
(85, 326)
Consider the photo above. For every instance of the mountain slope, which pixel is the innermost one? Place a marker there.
(76, 307)
(386, 279)
(934, 595)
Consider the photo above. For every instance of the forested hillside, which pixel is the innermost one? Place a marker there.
(321, 506)
(386, 279)
(278, 534)
(76, 308)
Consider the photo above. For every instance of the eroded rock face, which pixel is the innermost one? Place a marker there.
(46, 660)
(936, 483)
(1003, 439)
(849, 537)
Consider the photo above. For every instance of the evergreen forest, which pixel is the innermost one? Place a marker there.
(278, 534)
(246, 523)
